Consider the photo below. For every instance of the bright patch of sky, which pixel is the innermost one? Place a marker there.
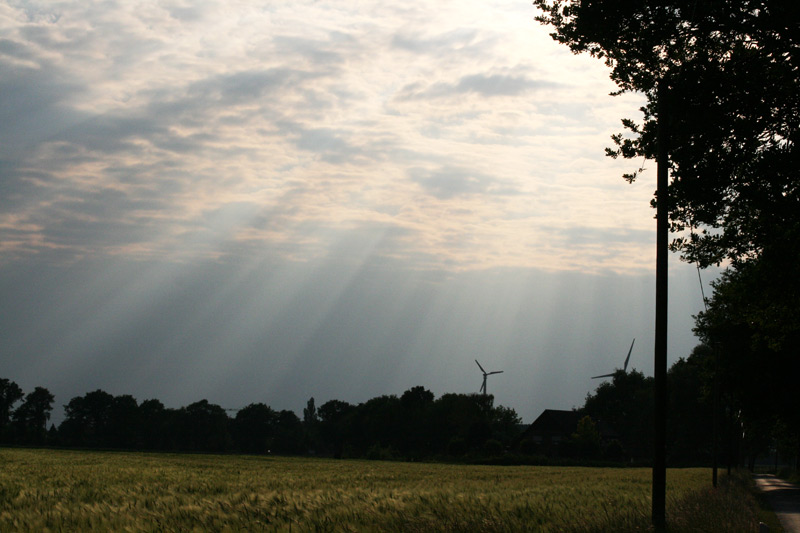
(264, 201)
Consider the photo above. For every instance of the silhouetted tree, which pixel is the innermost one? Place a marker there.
(87, 420)
(289, 436)
(626, 404)
(310, 412)
(376, 423)
(254, 428)
(157, 433)
(415, 428)
(203, 426)
(124, 429)
(506, 425)
(753, 323)
(417, 399)
(586, 439)
(310, 426)
(30, 418)
(335, 421)
(691, 402)
(463, 418)
(10, 394)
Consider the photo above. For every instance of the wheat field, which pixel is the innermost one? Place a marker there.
(57, 490)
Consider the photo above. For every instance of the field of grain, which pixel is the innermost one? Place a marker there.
(53, 490)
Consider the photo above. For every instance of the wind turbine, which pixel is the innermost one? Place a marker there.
(485, 374)
(624, 368)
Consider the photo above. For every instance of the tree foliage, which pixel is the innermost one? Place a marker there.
(752, 323)
(30, 418)
(10, 394)
(728, 74)
(691, 402)
(586, 438)
(254, 428)
(414, 426)
(626, 404)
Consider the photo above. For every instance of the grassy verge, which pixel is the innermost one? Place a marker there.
(734, 506)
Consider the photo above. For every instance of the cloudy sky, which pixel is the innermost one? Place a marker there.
(251, 201)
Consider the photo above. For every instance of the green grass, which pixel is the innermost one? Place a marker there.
(54, 490)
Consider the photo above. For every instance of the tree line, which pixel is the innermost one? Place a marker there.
(699, 419)
(413, 426)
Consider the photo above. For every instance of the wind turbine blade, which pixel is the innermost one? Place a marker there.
(603, 376)
(495, 372)
(479, 366)
(625, 368)
(483, 386)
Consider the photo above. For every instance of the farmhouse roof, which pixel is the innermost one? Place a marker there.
(564, 423)
(556, 421)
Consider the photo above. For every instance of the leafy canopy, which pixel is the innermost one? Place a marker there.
(728, 74)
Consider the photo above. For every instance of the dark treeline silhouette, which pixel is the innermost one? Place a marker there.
(616, 421)
(413, 426)
(101, 420)
(615, 424)
(620, 416)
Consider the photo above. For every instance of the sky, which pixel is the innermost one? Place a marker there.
(246, 201)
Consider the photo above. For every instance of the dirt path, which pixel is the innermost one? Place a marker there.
(784, 498)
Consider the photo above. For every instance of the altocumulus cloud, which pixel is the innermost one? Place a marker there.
(449, 182)
(479, 84)
(324, 115)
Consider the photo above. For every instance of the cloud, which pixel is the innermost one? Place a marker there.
(576, 236)
(33, 106)
(450, 182)
(193, 13)
(493, 85)
(460, 40)
(332, 145)
(309, 118)
(326, 54)
(15, 50)
(242, 87)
